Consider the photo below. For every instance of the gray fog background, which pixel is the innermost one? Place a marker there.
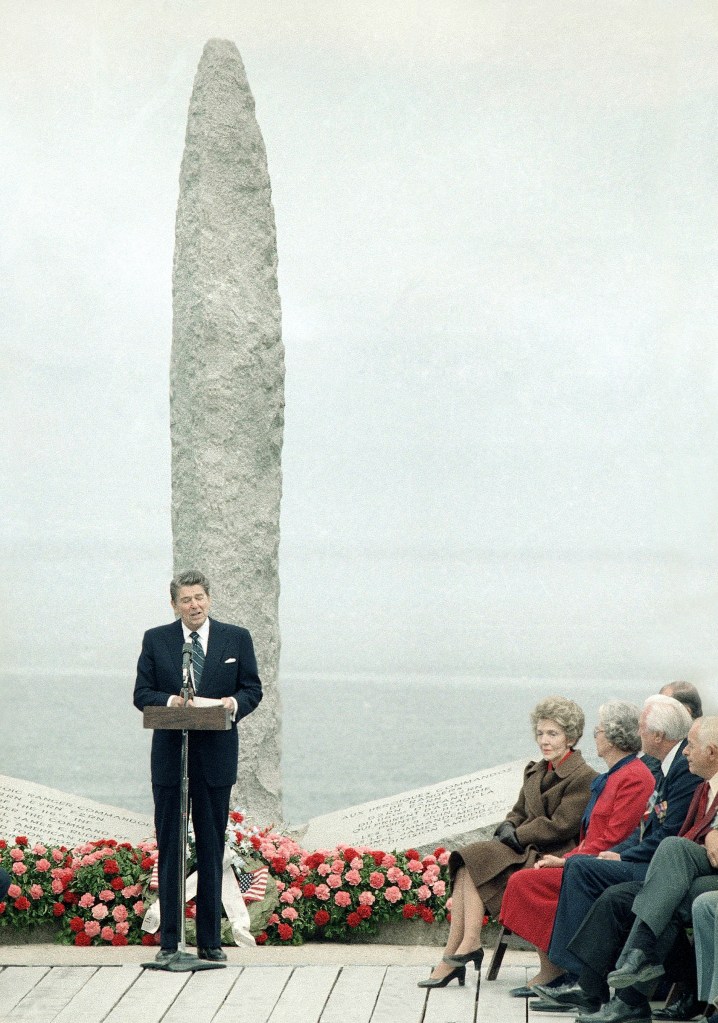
(497, 228)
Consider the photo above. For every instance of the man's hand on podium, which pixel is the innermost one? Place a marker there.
(177, 701)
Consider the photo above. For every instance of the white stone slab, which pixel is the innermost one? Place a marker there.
(49, 815)
(46, 999)
(400, 1000)
(16, 981)
(306, 994)
(422, 817)
(102, 992)
(202, 997)
(254, 995)
(354, 995)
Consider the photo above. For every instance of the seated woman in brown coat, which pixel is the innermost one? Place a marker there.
(546, 819)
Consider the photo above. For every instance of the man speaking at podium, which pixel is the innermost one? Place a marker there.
(223, 666)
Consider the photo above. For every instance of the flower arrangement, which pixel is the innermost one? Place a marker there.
(98, 892)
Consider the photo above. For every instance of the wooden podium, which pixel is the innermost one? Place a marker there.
(185, 719)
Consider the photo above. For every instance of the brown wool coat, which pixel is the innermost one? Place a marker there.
(546, 822)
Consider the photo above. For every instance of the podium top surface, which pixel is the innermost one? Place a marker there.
(191, 719)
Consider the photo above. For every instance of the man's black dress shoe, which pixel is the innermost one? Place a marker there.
(214, 955)
(637, 968)
(617, 1011)
(568, 994)
(165, 955)
(685, 1007)
(541, 1006)
(523, 992)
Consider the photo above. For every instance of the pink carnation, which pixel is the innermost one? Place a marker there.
(322, 892)
(286, 897)
(343, 899)
(280, 885)
(293, 870)
(123, 927)
(443, 859)
(429, 859)
(389, 860)
(92, 928)
(107, 934)
(289, 913)
(295, 892)
(404, 882)
(35, 891)
(415, 866)
(14, 891)
(132, 891)
(17, 855)
(337, 866)
(376, 880)
(274, 919)
(334, 881)
(139, 908)
(99, 911)
(39, 850)
(106, 895)
(58, 856)
(367, 899)
(57, 886)
(439, 888)
(119, 913)
(19, 868)
(392, 894)
(352, 877)
(357, 863)
(430, 875)
(423, 893)
(393, 874)
(42, 866)
(86, 900)
(323, 869)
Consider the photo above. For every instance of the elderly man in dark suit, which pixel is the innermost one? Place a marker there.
(224, 668)
(663, 728)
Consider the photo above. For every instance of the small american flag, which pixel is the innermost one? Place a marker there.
(253, 886)
(155, 879)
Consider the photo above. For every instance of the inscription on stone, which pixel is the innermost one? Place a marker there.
(422, 816)
(50, 816)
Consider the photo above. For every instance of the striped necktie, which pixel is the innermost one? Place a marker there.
(197, 660)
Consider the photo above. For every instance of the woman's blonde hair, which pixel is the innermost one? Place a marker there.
(564, 712)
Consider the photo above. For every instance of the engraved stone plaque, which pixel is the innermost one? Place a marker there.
(449, 813)
(50, 816)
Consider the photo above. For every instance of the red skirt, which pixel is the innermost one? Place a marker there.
(529, 904)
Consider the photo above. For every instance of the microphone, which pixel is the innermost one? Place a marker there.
(187, 683)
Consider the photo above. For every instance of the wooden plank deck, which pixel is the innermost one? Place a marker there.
(256, 994)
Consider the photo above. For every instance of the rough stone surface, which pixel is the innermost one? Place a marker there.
(227, 389)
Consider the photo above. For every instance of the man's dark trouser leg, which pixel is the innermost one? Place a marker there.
(210, 810)
(167, 824)
(600, 938)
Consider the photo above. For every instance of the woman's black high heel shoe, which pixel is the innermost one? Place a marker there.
(476, 957)
(459, 972)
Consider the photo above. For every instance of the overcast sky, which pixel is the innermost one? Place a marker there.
(497, 226)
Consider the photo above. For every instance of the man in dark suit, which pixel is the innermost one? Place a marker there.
(664, 725)
(5, 882)
(683, 867)
(223, 667)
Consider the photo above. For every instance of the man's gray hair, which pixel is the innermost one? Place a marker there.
(668, 715)
(189, 578)
(708, 731)
(619, 721)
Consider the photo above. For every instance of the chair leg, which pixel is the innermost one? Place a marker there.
(498, 956)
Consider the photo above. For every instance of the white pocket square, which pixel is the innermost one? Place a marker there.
(231, 660)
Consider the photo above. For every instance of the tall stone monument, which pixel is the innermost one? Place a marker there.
(227, 389)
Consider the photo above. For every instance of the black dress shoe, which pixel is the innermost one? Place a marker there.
(475, 957)
(541, 1006)
(637, 968)
(214, 955)
(459, 972)
(685, 1007)
(523, 992)
(617, 1011)
(569, 994)
(165, 955)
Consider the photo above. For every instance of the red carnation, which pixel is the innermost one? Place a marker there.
(321, 917)
(117, 884)
(313, 860)
(77, 924)
(409, 911)
(111, 867)
(125, 845)
(21, 840)
(378, 858)
(148, 939)
(285, 932)
(256, 842)
(353, 919)
(364, 912)
(119, 939)
(82, 938)
(147, 863)
(309, 890)
(426, 914)
(57, 909)
(412, 854)
(3, 843)
(236, 817)
(71, 898)
(21, 903)
(279, 864)
(261, 938)
(350, 854)
(3, 907)
(439, 852)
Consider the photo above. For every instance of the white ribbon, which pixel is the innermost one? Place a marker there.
(232, 900)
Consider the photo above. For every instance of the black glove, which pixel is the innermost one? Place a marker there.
(506, 833)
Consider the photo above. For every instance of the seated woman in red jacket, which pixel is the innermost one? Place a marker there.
(617, 804)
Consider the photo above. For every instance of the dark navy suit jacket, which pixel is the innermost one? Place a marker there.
(230, 669)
